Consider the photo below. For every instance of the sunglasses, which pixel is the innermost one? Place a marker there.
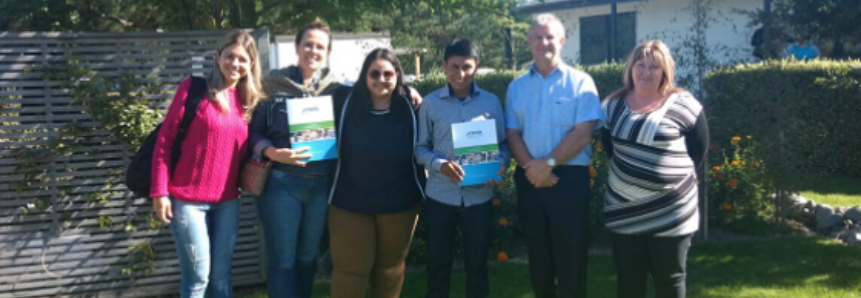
(387, 75)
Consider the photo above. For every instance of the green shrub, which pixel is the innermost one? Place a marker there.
(738, 186)
(804, 114)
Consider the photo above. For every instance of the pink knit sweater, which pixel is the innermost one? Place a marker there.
(212, 152)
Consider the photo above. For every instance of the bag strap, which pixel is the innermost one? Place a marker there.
(192, 103)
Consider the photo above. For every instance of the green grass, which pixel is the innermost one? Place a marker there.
(781, 267)
(833, 190)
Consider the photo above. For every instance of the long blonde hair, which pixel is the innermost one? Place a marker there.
(661, 53)
(248, 87)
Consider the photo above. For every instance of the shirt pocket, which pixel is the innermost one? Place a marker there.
(564, 111)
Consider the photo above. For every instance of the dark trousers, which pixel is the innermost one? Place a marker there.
(441, 224)
(664, 258)
(555, 222)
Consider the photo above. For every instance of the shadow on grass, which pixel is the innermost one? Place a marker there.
(842, 185)
(797, 267)
(782, 267)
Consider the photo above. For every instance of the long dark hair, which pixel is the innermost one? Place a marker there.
(360, 89)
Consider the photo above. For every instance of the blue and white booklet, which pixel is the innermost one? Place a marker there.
(312, 125)
(476, 150)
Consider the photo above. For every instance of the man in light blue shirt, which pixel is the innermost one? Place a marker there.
(551, 112)
(449, 205)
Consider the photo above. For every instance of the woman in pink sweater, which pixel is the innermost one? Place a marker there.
(200, 199)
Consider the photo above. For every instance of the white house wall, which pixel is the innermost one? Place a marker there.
(728, 35)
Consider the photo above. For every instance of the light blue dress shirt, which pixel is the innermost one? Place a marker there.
(547, 109)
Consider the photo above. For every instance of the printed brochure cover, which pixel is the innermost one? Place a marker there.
(312, 125)
(476, 150)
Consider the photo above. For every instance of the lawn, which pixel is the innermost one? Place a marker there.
(780, 267)
(833, 190)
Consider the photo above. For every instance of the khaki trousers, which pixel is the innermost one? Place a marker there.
(369, 247)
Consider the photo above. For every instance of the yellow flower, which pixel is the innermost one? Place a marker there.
(749, 137)
(716, 168)
(756, 164)
(735, 162)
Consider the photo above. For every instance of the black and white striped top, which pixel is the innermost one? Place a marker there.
(652, 188)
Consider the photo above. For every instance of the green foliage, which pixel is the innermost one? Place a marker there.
(118, 103)
(607, 77)
(143, 258)
(831, 19)
(738, 186)
(804, 115)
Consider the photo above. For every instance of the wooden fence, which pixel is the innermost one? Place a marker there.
(68, 228)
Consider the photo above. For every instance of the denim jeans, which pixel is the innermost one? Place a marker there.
(292, 210)
(441, 224)
(205, 235)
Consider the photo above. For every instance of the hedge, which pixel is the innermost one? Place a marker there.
(805, 115)
(608, 78)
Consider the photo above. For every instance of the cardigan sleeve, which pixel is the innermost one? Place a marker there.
(161, 158)
(697, 139)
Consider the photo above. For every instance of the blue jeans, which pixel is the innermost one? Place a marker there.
(292, 210)
(205, 235)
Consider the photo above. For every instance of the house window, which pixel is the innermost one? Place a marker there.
(595, 38)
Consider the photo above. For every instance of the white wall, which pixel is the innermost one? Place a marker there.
(348, 52)
(728, 35)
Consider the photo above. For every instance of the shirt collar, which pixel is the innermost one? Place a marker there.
(559, 68)
(447, 93)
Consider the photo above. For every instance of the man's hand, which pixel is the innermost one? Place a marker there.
(287, 155)
(415, 97)
(501, 172)
(537, 171)
(453, 171)
(549, 182)
(161, 207)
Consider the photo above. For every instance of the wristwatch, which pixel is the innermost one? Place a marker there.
(551, 162)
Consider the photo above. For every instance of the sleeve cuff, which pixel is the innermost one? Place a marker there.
(437, 164)
(259, 147)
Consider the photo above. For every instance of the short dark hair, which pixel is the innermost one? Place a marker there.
(317, 24)
(461, 47)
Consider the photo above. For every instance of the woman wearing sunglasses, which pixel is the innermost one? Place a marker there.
(375, 198)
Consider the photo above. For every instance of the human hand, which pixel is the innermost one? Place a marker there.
(162, 208)
(453, 171)
(549, 182)
(500, 173)
(287, 155)
(537, 171)
(415, 98)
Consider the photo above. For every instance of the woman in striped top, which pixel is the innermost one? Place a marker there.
(656, 135)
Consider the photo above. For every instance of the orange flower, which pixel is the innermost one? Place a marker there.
(727, 206)
(743, 162)
(732, 183)
(591, 182)
(716, 168)
(496, 202)
(503, 222)
(735, 139)
(713, 146)
(755, 163)
(735, 162)
(593, 172)
(718, 176)
(502, 256)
